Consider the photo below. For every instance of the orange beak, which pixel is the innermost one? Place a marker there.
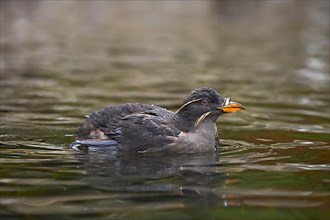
(231, 106)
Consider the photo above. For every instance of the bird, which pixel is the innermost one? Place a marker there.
(145, 128)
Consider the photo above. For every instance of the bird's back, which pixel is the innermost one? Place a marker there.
(133, 126)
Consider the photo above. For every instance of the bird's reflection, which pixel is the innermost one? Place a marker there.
(189, 176)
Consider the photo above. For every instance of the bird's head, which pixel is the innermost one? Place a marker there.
(204, 105)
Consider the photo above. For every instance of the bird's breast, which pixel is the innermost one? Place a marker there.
(194, 142)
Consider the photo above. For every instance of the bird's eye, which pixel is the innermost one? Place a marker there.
(204, 102)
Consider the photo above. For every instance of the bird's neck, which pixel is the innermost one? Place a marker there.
(183, 123)
(187, 123)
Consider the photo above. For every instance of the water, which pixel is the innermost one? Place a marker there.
(271, 56)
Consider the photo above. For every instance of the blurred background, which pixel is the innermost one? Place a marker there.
(63, 59)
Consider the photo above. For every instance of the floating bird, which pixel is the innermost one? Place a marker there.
(136, 127)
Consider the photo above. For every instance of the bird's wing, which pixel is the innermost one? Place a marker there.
(143, 132)
(109, 118)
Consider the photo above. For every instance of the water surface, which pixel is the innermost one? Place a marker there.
(62, 60)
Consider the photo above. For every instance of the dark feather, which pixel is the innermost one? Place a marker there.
(133, 125)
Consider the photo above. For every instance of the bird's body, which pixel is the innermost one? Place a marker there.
(148, 128)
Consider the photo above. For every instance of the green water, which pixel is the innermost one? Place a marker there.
(63, 59)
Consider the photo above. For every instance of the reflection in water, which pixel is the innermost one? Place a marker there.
(271, 55)
(175, 175)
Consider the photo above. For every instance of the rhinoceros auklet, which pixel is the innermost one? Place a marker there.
(142, 128)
